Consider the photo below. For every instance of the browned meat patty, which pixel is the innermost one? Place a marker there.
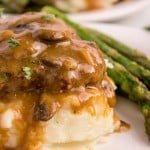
(46, 71)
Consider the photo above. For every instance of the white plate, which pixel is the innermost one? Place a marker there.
(136, 137)
(118, 11)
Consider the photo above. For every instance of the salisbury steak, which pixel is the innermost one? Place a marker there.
(54, 90)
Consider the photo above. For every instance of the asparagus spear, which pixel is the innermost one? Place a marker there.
(133, 54)
(146, 112)
(129, 84)
(126, 83)
(134, 68)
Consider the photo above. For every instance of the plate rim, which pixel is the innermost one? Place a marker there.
(114, 13)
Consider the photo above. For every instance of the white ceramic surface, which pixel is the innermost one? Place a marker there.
(118, 11)
(135, 138)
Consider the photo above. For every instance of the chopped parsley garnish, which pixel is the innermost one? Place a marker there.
(47, 17)
(13, 43)
(27, 72)
(33, 61)
(3, 76)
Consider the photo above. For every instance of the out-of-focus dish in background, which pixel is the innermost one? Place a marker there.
(118, 11)
(81, 10)
(69, 6)
(72, 6)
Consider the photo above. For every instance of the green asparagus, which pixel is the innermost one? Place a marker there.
(133, 54)
(127, 82)
(134, 68)
(146, 113)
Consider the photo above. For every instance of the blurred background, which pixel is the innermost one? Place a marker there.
(124, 12)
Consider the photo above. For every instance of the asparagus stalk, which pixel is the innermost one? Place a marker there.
(134, 68)
(127, 83)
(146, 112)
(133, 54)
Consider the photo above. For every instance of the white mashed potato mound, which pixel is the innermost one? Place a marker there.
(12, 125)
(67, 129)
(79, 131)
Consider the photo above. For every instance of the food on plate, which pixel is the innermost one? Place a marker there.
(129, 83)
(64, 5)
(13, 5)
(54, 89)
(77, 5)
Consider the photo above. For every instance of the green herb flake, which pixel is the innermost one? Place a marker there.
(3, 76)
(13, 43)
(27, 72)
(33, 61)
(47, 17)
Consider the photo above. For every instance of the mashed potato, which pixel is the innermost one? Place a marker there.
(76, 123)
